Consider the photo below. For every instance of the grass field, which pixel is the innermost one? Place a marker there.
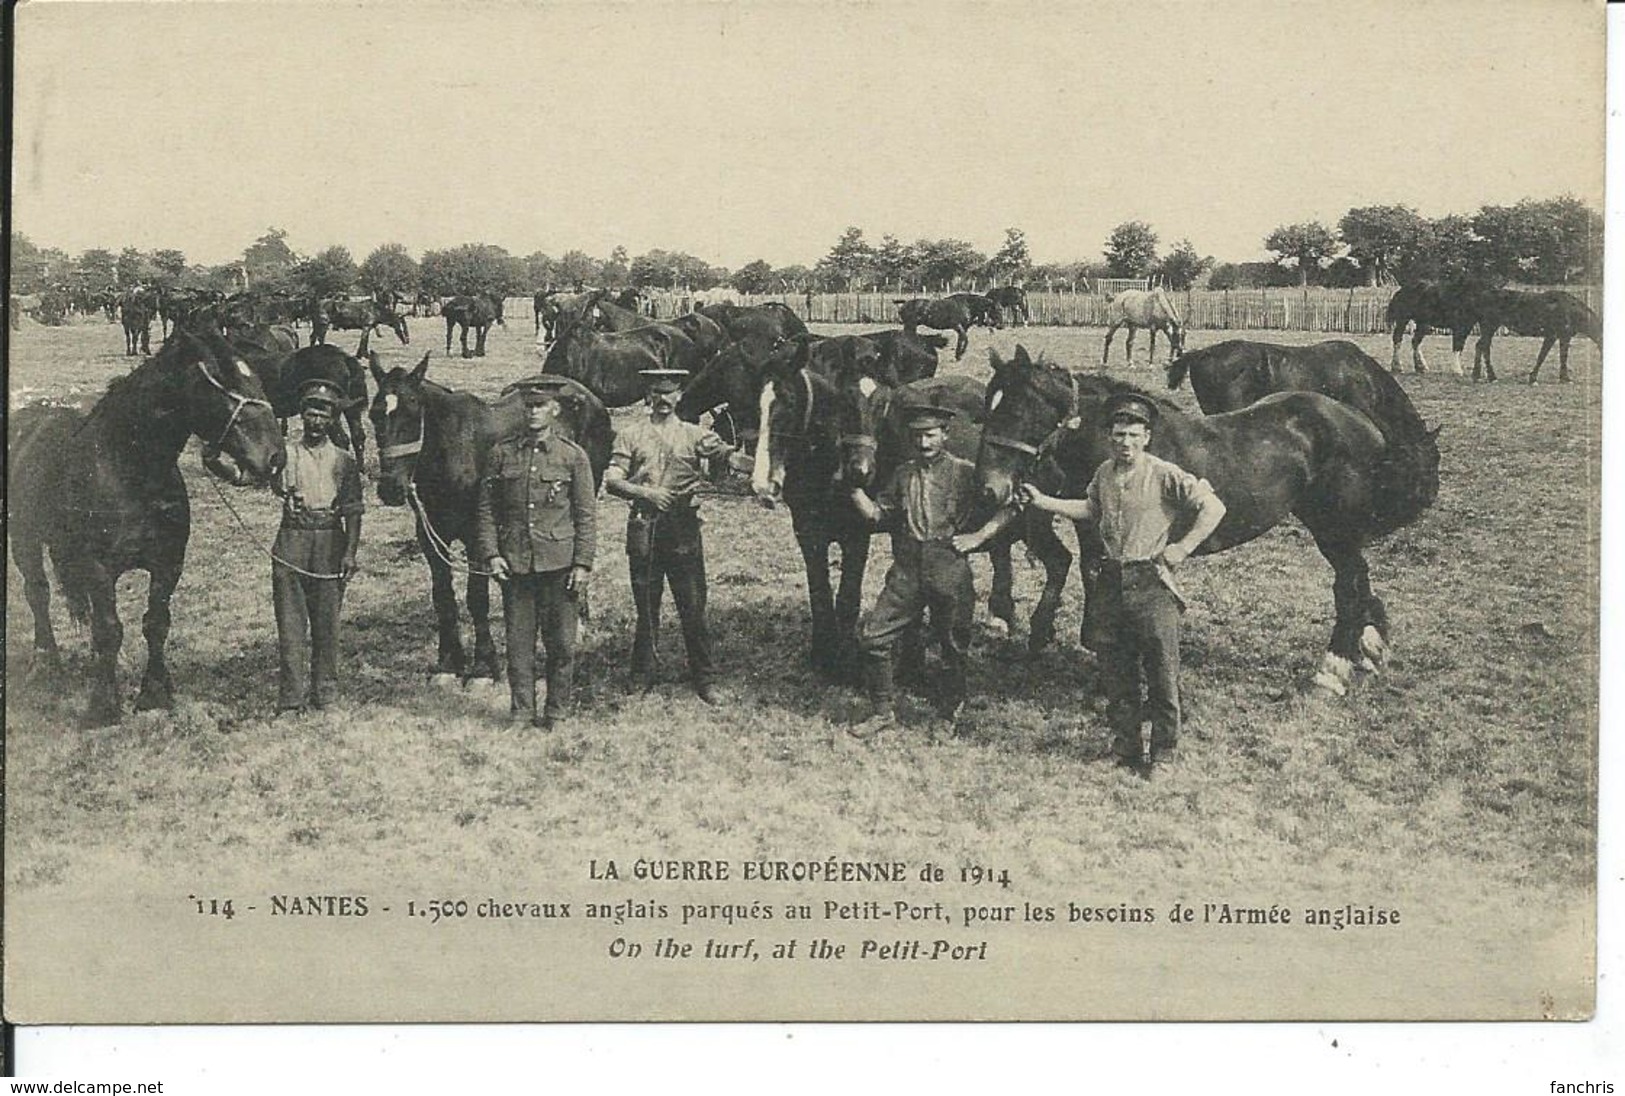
(1465, 773)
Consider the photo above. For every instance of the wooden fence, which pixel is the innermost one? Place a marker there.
(1357, 311)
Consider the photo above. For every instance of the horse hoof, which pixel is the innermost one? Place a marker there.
(153, 700)
(1329, 684)
(1372, 644)
(444, 680)
(997, 628)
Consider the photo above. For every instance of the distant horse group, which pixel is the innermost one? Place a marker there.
(1553, 316)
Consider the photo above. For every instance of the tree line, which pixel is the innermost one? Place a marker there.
(1540, 241)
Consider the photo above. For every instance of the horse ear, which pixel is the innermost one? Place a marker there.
(995, 362)
(1022, 357)
(421, 370)
(1433, 435)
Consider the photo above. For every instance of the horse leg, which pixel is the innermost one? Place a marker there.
(479, 340)
(1052, 553)
(1418, 362)
(358, 434)
(1091, 554)
(1540, 359)
(849, 603)
(964, 341)
(1563, 360)
(1151, 351)
(1399, 336)
(451, 658)
(1001, 600)
(1128, 347)
(449, 325)
(821, 600)
(1458, 340)
(30, 556)
(1481, 355)
(1360, 629)
(477, 594)
(1105, 355)
(157, 690)
(106, 637)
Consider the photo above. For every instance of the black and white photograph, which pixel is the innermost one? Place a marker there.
(900, 511)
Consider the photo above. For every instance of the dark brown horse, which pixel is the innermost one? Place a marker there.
(822, 436)
(282, 372)
(1293, 453)
(137, 308)
(1554, 317)
(1012, 302)
(103, 492)
(476, 312)
(363, 316)
(954, 314)
(1429, 305)
(432, 447)
(1230, 375)
(610, 364)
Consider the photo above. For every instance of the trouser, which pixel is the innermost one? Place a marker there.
(540, 603)
(923, 576)
(307, 613)
(1140, 624)
(661, 549)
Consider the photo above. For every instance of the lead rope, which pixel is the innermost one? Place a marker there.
(274, 557)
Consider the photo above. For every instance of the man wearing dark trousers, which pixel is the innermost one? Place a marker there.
(925, 503)
(315, 552)
(1137, 500)
(656, 466)
(537, 530)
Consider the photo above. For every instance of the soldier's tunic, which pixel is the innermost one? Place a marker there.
(924, 505)
(320, 486)
(668, 547)
(538, 510)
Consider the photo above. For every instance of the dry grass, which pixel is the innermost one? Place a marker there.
(1468, 766)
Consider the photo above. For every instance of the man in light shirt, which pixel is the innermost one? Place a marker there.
(1136, 500)
(315, 551)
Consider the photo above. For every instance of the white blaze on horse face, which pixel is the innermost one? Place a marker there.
(760, 474)
(993, 404)
(867, 386)
(242, 369)
(391, 402)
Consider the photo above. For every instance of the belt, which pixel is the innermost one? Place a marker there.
(311, 519)
(1109, 566)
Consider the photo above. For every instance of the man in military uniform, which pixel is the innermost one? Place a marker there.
(1136, 500)
(656, 466)
(925, 503)
(536, 527)
(315, 551)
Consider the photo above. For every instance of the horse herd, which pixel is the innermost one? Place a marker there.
(1321, 432)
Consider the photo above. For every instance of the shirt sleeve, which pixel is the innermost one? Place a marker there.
(621, 455)
(1185, 490)
(485, 525)
(890, 497)
(349, 499)
(584, 507)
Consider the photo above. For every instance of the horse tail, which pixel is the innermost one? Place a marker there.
(74, 593)
(1406, 481)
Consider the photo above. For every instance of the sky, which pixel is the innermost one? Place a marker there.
(746, 130)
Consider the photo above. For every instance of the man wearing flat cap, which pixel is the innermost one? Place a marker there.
(315, 551)
(655, 466)
(536, 527)
(926, 502)
(1136, 501)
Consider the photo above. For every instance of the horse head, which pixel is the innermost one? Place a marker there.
(862, 404)
(224, 404)
(1025, 400)
(399, 422)
(784, 413)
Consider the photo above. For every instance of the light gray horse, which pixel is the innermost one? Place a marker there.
(1139, 308)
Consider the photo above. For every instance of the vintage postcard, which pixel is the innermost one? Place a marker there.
(1121, 482)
